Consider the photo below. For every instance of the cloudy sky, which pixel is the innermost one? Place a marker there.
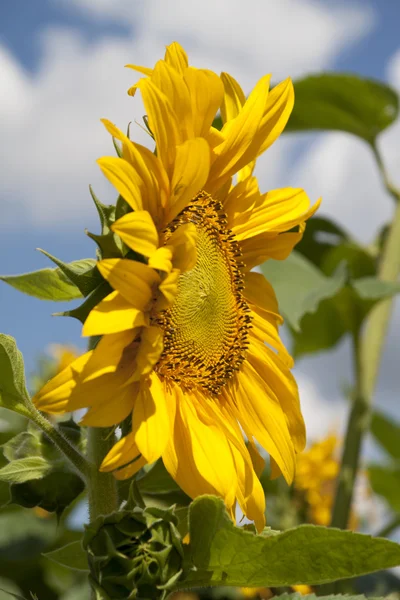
(62, 70)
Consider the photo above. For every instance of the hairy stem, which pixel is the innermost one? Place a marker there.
(77, 459)
(368, 353)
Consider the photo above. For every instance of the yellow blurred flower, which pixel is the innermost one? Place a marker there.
(316, 475)
(184, 330)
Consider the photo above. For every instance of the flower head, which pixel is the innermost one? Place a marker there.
(190, 342)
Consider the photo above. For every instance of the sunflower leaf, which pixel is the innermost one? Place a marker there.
(343, 102)
(45, 284)
(371, 288)
(83, 273)
(386, 433)
(300, 286)
(72, 556)
(25, 469)
(223, 554)
(13, 392)
(385, 481)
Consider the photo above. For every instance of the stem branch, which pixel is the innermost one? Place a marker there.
(77, 459)
(368, 353)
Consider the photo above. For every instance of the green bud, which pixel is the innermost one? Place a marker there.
(135, 554)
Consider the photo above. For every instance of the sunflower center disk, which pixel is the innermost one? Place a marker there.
(206, 328)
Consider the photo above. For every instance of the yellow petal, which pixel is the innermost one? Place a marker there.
(161, 259)
(183, 244)
(234, 98)
(151, 421)
(265, 329)
(144, 70)
(277, 112)
(239, 134)
(276, 211)
(176, 56)
(138, 231)
(198, 456)
(54, 395)
(130, 470)
(191, 170)
(94, 378)
(261, 293)
(123, 177)
(169, 81)
(162, 120)
(148, 173)
(260, 414)
(261, 247)
(276, 373)
(111, 408)
(168, 290)
(113, 314)
(132, 279)
(123, 452)
(206, 93)
(150, 350)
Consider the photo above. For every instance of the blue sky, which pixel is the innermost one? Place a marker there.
(63, 64)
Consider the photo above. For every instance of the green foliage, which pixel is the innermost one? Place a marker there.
(25, 469)
(300, 286)
(343, 102)
(385, 481)
(38, 474)
(72, 556)
(82, 311)
(13, 393)
(45, 284)
(386, 433)
(83, 273)
(134, 554)
(223, 554)
(109, 244)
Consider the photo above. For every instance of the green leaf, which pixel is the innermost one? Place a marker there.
(72, 556)
(320, 236)
(385, 481)
(371, 288)
(343, 102)
(13, 393)
(386, 433)
(25, 469)
(223, 554)
(83, 273)
(45, 284)
(300, 286)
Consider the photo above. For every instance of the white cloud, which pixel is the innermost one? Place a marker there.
(49, 122)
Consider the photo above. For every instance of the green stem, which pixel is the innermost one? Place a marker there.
(77, 459)
(368, 353)
(389, 528)
(102, 487)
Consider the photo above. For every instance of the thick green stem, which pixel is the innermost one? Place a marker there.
(102, 487)
(77, 459)
(368, 352)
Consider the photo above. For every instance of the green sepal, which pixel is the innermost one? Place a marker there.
(135, 554)
(82, 311)
(83, 273)
(109, 244)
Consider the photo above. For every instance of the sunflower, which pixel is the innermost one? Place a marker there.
(190, 346)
